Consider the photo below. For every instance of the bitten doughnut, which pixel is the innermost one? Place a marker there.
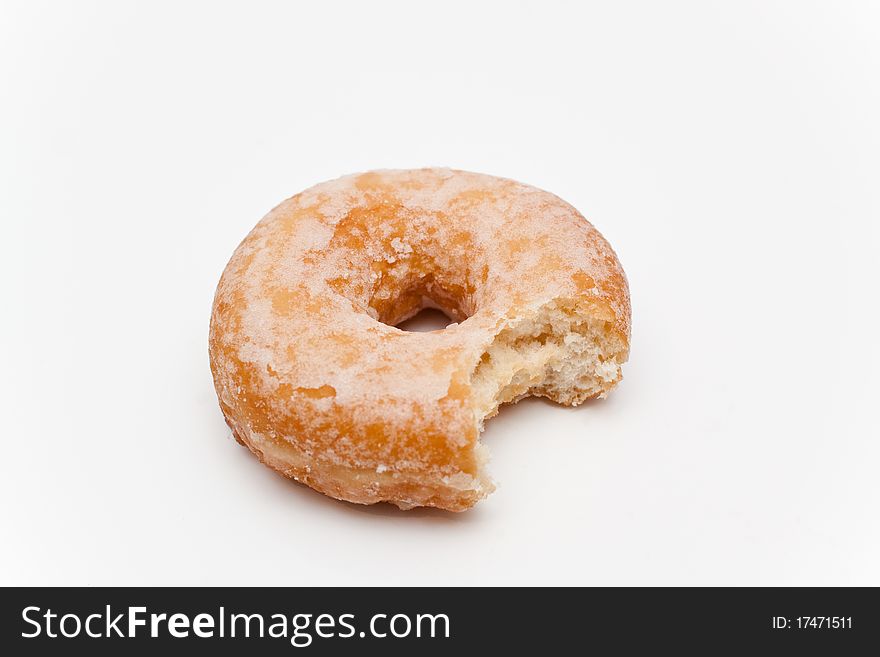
(313, 377)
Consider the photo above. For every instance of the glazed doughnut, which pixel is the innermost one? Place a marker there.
(315, 379)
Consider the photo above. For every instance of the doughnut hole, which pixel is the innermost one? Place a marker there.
(404, 291)
(392, 263)
(426, 320)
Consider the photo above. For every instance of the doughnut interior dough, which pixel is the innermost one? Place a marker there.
(314, 378)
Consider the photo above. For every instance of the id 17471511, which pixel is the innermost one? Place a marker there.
(813, 623)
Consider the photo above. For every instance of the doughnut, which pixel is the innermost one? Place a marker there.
(314, 377)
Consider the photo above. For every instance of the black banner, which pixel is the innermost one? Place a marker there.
(113, 621)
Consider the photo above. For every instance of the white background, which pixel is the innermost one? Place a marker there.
(729, 151)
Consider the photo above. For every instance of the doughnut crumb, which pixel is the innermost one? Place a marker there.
(557, 354)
